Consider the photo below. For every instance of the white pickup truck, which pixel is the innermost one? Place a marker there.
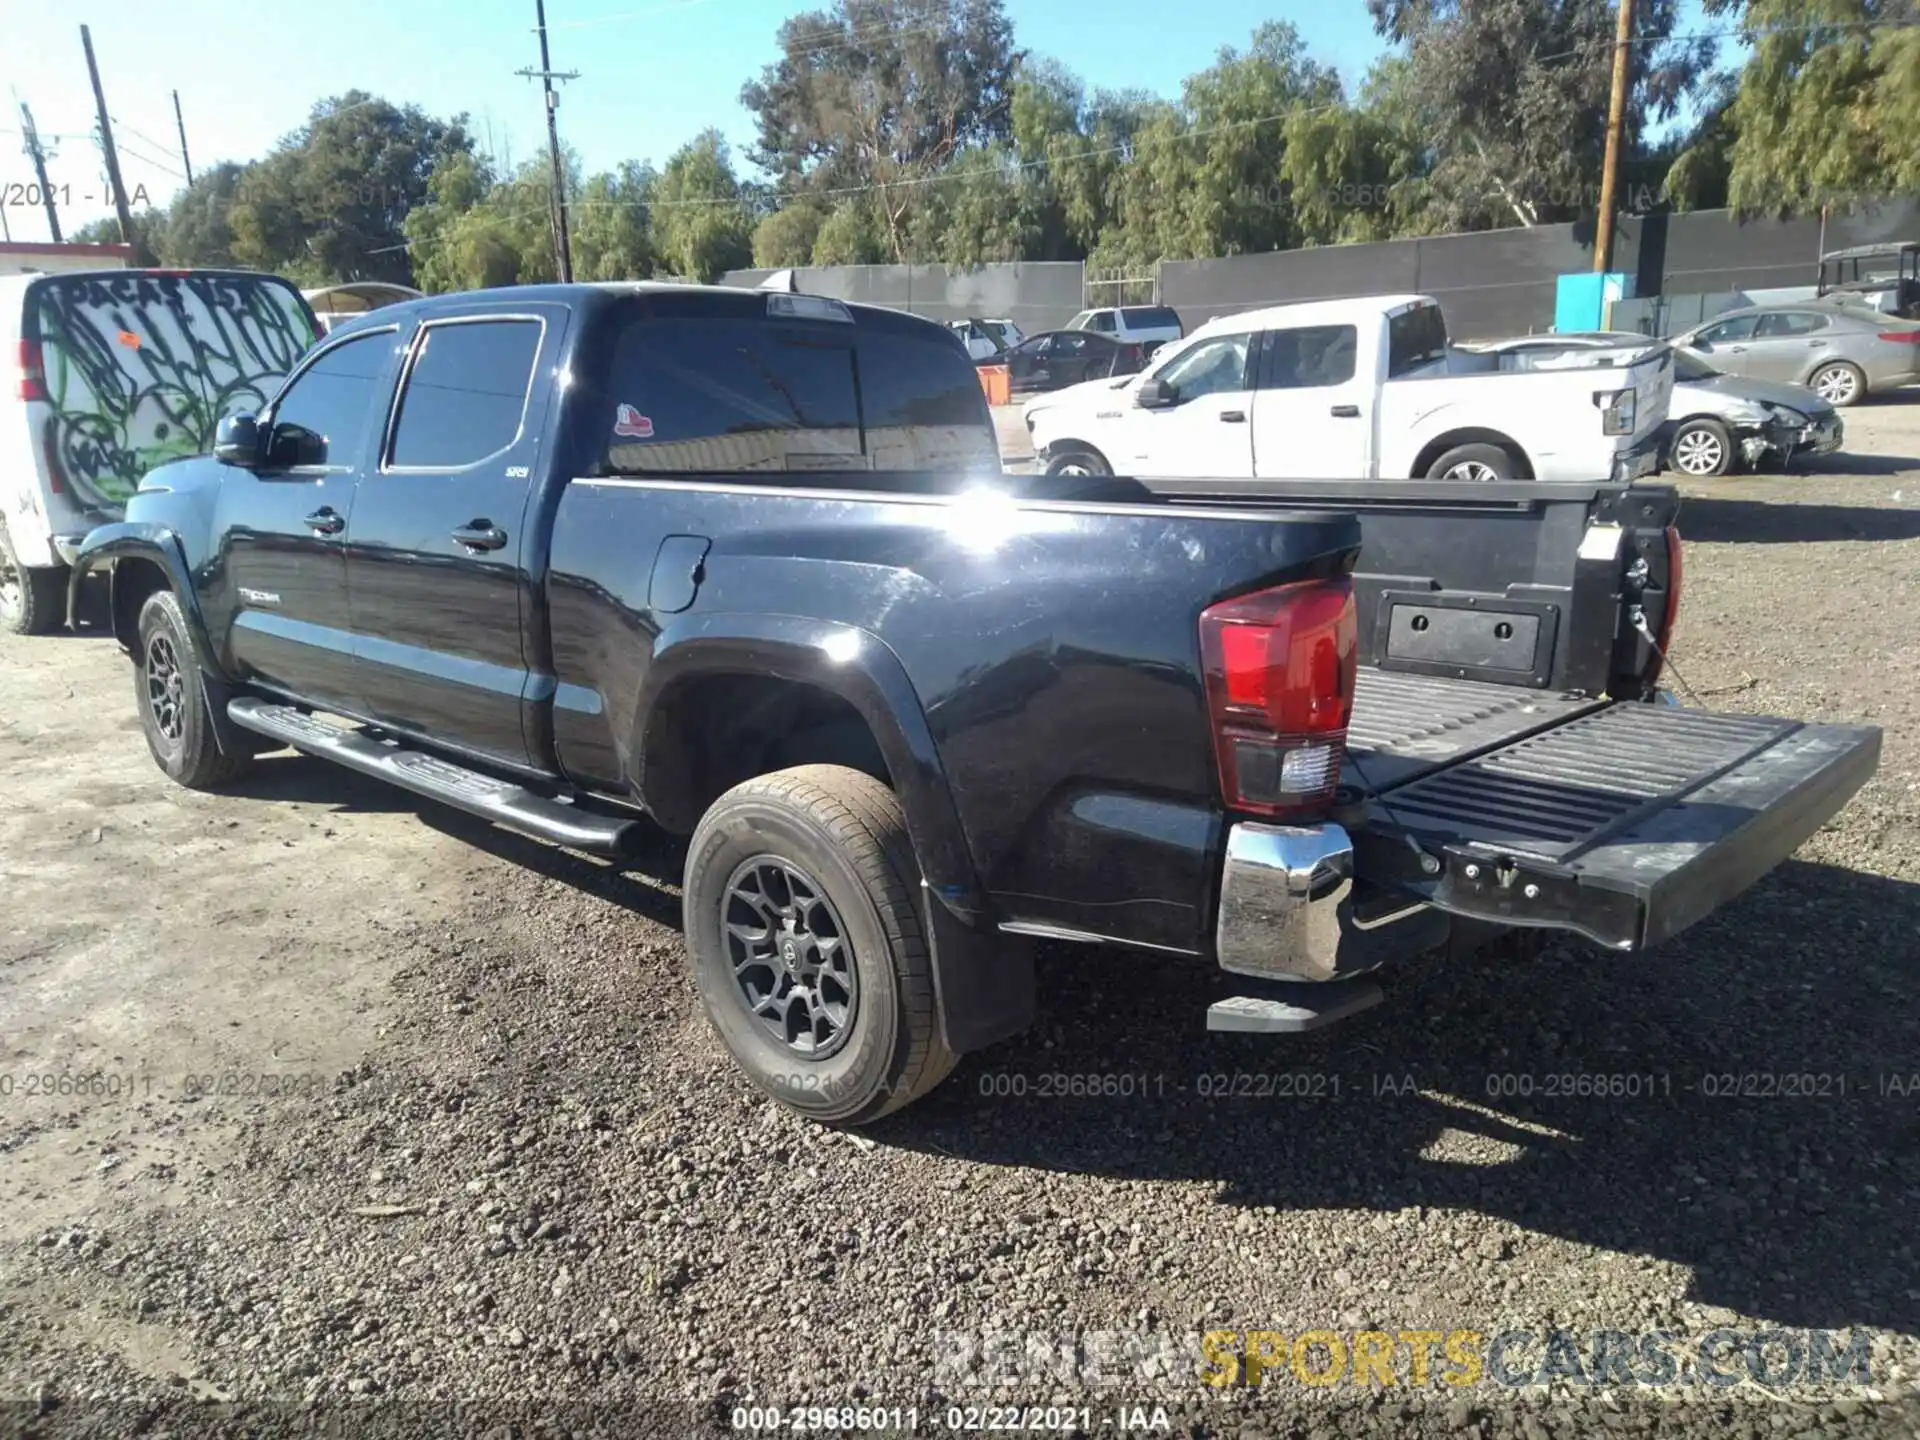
(1359, 389)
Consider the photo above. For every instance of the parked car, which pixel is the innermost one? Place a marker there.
(981, 343)
(746, 564)
(1717, 423)
(119, 371)
(1148, 326)
(1842, 351)
(1057, 358)
(1351, 389)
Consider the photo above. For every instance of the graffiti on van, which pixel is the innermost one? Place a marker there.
(140, 368)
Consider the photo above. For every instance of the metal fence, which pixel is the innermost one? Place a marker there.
(1491, 283)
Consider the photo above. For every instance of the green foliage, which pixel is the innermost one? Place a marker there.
(849, 236)
(785, 237)
(612, 225)
(1827, 109)
(330, 203)
(883, 94)
(702, 225)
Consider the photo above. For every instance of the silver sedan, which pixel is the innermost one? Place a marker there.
(1842, 352)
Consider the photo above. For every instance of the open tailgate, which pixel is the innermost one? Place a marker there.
(1624, 822)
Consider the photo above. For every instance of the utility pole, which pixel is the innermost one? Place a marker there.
(106, 142)
(1616, 125)
(37, 153)
(562, 243)
(181, 123)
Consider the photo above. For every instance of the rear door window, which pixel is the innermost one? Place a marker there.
(1795, 322)
(465, 397)
(1309, 356)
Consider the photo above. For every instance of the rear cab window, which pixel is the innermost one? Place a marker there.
(141, 366)
(744, 395)
(1416, 336)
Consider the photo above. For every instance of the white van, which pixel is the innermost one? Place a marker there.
(116, 372)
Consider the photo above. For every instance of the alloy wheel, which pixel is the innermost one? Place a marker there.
(1470, 470)
(1836, 385)
(792, 961)
(1699, 452)
(166, 688)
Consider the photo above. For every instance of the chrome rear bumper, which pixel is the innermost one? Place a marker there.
(1280, 898)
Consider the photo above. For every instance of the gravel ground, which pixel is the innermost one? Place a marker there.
(479, 1149)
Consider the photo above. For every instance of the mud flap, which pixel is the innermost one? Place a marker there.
(983, 979)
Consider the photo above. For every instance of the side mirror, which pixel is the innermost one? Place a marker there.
(237, 441)
(1156, 394)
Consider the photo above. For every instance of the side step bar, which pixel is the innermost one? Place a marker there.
(1290, 1007)
(500, 801)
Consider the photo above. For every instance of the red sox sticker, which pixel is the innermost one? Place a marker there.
(630, 424)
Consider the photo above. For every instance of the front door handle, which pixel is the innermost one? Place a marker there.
(1347, 412)
(326, 521)
(1233, 417)
(481, 535)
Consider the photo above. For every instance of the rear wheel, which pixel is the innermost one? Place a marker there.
(1839, 383)
(1478, 461)
(193, 743)
(803, 928)
(1702, 448)
(32, 598)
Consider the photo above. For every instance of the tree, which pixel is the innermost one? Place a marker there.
(850, 235)
(1513, 96)
(148, 226)
(197, 230)
(702, 225)
(1205, 178)
(1827, 108)
(612, 226)
(330, 203)
(785, 237)
(474, 232)
(1358, 172)
(880, 95)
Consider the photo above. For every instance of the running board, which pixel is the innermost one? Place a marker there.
(1289, 1007)
(500, 801)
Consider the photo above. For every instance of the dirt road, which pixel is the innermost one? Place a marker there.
(313, 1092)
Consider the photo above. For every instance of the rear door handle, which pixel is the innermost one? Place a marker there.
(1234, 417)
(1347, 412)
(481, 535)
(327, 521)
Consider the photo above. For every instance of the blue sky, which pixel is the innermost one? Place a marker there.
(653, 72)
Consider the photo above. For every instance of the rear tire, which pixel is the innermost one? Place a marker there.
(182, 711)
(1702, 448)
(1840, 383)
(33, 599)
(1478, 461)
(786, 874)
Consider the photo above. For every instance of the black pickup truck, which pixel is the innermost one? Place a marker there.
(745, 566)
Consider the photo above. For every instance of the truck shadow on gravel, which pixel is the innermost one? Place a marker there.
(1760, 522)
(1763, 1128)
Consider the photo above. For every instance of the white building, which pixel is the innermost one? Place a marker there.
(21, 257)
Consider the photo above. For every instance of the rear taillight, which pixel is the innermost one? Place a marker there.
(1280, 668)
(1675, 571)
(1901, 337)
(33, 371)
(1616, 409)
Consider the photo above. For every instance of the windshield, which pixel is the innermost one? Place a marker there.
(1691, 367)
